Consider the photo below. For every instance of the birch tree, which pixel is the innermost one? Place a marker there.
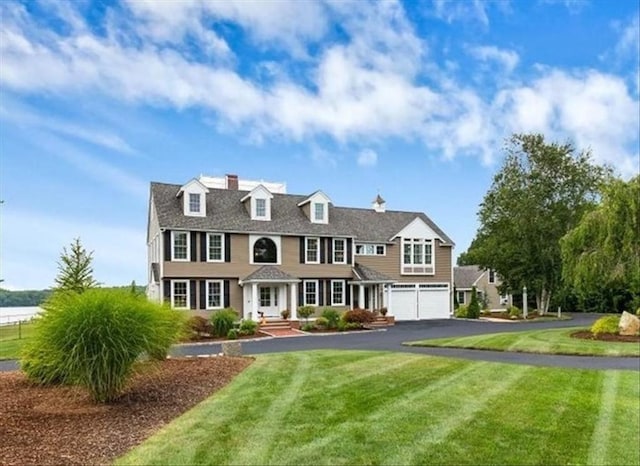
(541, 192)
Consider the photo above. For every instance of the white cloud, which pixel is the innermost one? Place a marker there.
(455, 10)
(573, 6)
(508, 59)
(367, 158)
(31, 263)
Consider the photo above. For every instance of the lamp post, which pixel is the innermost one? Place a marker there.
(524, 302)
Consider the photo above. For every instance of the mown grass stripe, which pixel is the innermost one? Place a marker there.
(601, 434)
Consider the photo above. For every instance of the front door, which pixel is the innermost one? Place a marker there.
(268, 296)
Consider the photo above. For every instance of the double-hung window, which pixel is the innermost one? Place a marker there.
(312, 250)
(339, 253)
(180, 294)
(318, 212)
(214, 294)
(261, 208)
(215, 247)
(180, 246)
(337, 293)
(492, 276)
(417, 256)
(194, 202)
(460, 297)
(311, 292)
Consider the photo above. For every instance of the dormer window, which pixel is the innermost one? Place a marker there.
(318, 212)
(194, 198)
(258, 203)
(194, 203)
(316, 207)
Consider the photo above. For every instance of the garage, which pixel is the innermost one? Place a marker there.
(420, 301)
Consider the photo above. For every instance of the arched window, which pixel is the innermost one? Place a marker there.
(265, 251)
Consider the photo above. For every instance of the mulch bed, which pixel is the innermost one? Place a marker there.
(211, 339)
(61, 425)
(587, 335)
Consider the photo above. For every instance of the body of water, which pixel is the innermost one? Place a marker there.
(10, 315)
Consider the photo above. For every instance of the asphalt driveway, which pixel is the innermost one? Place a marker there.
(392, 338)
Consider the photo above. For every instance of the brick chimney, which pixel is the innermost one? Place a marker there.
(232, 182)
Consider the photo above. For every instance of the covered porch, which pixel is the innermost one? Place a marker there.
(370, 289)
(267, 292)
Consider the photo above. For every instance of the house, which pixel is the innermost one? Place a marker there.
(486, 282)
(220, 242)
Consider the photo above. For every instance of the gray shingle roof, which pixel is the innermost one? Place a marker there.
(465, 276)
(225, 212)
(269, 272)
(368, 274)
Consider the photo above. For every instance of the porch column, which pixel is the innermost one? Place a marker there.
(389, 308)
(361, 296)
(282, 298)
(254, 301)
(293, 288)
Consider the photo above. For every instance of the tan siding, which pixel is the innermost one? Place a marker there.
(390, 264)
(491, 290)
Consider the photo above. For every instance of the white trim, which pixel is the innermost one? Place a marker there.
(306, 249)
(375, 249)
(417, 228)
(222, 247)
(344, 292)
(410, 269)
(304, 292)
(314, 197)
(344, 251)
(188, 288)
(206, 294)
(325, 212)
(173, 257)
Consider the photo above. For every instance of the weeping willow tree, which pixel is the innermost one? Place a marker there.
(601, 255)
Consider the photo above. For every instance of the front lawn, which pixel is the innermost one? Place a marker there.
(553, 341)
(12, 337)
(353, 407)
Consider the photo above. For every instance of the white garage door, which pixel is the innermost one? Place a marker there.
(414, 301)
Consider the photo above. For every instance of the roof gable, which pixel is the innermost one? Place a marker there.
(193, 186)
(317, 196)
(467, 276)
(259, 191)
(417, 228)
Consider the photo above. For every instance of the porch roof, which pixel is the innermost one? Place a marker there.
(364, 274)
(269, 274)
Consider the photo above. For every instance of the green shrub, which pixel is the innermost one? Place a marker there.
(322, 322)
(248, 327)
(352, 326)
(461, 312)
(222, 321)
(515, 311)
(473, 310)
(306, 311)
(307, 327)
(360, 316)
(232, 334)
(93, 339)
(332, 317)
(383, 311)
(607, 324)
(285, 313)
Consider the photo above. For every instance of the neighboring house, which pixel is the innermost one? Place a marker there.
(220, 242)
(486, 282)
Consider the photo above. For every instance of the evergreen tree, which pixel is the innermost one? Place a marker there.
(473, 312)
(74, 269)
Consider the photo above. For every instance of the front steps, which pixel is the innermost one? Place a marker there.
(279, 324)
(380, 322)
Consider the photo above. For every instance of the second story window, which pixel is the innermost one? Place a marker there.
(180, 246)
(261, 208)
(194, 202)
(215, 244)
(417, 256)
(339, 256)
(265, 251)
(492, 276)
(312, 253)
(318, 212)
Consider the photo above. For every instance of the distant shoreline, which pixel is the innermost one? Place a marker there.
(14, 314)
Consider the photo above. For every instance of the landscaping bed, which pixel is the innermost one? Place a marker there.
(61, 425)
(587, 335)
(212, 339)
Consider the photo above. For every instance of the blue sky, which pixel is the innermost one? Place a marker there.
(409, 99)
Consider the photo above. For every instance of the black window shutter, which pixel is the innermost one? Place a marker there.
(347, 294)
(328, 292)
(301, 293)
(166, 285)
(349, 250)
(203, 294)
(203, 246)
(167, 245)
(329, 251)
(302, 261)
(194, 242)
(323, 259)
(226, 293)
(193, 291)
(227, 247)
(320, 293)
